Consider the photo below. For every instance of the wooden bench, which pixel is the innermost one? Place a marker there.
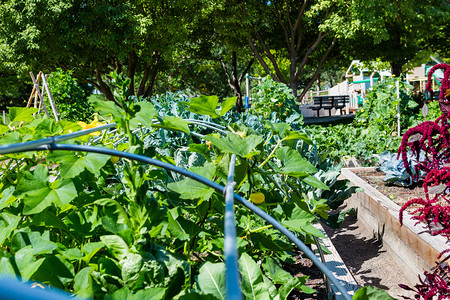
(329, 102)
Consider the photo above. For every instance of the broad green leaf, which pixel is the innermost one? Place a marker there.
(203, 105)
(144, 116)
(40, 243)
(54, 270)
(275, 271)
(73, 254)
(131, 265)
(196, 296)
(154, 293)
(253, 286)
(201, 149)
(302, 226)
(116, 245)
(266, 242)
(3, 129)
(211, 280)
(371, 293)
(26, 262)
(38, 193)
(313, 181)
(282, 129)
(6, 268)
(90, 249)
(235, 144)
(295, 135)
(19, 114)
(175, 228)
(227, 105)
(72, 165)
(295, 282)
(83, 284)
(68, 127)
(173, 123)
(271, 288)
(7, 197)
(173, 287)
(113, 208)
(107, 108)
(191, 189)
(8, 223)
(292, 163)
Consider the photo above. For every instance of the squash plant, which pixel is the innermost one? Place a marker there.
(109, 228)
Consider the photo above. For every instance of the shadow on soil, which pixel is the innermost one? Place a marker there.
(358, 252)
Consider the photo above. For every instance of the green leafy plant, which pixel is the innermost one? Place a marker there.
(271, 97)
(70, 98)
(109, 228)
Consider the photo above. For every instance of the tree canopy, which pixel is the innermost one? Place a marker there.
(181, 44)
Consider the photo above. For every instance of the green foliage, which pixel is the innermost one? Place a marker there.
(273, 98)
(371, 293)
(13, 91)
(100, 228)
(374, 129)
(70, 98)
(380, 107)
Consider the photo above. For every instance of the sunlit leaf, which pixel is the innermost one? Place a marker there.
(211, 280)
(38, 193)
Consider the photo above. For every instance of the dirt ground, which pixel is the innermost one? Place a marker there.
(363, 254)
(366, 258)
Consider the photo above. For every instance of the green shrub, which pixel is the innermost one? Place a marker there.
(380, 108)
(273, 98)
(70, 98)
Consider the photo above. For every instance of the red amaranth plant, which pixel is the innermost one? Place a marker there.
(433, 140)
(444, 95)
(434, 284)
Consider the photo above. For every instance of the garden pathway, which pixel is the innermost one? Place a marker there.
(366, 258)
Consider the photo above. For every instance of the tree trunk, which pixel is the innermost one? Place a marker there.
(396, 68)
(154, 72)
(234, 81)
(132, 62)
(103, 87)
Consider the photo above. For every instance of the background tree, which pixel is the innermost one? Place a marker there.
(93, 38)
(399, 30)
(306, 33)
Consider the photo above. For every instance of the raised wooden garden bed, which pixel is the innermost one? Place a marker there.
(412, 251)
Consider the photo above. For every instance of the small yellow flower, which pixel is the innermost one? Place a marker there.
(114, 159)
(279, 104)
(242, 134)
(208, 143)
(94, 124)
(257, 198)
(362, 110)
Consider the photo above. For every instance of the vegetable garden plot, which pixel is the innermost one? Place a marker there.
(110, 228)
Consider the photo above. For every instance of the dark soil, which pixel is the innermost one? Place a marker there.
(399, 195)
(315, 281)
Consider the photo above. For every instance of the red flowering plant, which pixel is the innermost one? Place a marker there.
(433, 212)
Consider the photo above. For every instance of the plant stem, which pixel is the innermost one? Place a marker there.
(271, 153)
